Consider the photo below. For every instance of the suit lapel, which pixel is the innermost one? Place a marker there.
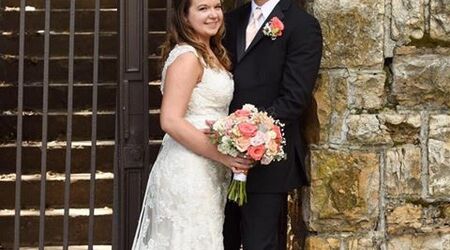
(282, 6)
(242, 25)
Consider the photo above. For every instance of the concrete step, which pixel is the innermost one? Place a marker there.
(59, 43)
(58, 69)
(56, 156)
(54, 224)
(32, 126)
(57, 124)
(60, 4)
(58, 97)
(85, 4)
(73, 247)
(84, 20)
(79, 190)
(155, 96)
(34, 68)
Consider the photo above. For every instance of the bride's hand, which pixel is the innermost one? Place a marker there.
(206, 131)
(236, 164)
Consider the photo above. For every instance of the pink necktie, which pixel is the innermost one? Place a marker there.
(252, 27)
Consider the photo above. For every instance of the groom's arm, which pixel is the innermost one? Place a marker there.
(303, 55)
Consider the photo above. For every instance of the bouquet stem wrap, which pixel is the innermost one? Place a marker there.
(237, 190)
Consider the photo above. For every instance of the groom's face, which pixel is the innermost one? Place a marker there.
(205, 17)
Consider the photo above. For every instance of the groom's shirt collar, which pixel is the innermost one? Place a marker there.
(266, 9)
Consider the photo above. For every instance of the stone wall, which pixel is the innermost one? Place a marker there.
(381, 169)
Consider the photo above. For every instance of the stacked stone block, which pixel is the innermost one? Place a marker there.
(380, 173)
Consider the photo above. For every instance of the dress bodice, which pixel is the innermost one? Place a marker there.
(211, 96)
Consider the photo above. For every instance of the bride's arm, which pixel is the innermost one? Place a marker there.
(181, 78)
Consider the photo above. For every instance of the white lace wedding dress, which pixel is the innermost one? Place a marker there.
(184, 202)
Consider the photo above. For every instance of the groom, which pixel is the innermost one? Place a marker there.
(275, 71)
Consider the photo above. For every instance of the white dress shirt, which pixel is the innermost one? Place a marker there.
(266, 9)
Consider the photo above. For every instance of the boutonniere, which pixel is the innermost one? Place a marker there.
(274, 28)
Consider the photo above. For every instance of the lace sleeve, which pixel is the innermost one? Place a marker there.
(173, 55)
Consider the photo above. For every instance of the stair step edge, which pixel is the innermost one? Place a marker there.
(73, 212)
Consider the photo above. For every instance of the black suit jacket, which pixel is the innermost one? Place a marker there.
(277, 76)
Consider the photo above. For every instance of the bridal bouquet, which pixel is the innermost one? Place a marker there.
(248, 133)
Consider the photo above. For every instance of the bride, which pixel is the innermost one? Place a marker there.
(184, 202)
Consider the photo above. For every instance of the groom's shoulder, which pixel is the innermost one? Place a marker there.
(237, 12)
(300, 14)
(301, 17)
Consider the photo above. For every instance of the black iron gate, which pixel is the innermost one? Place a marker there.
(58, 79)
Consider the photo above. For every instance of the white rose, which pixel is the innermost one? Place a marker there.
(258, 139)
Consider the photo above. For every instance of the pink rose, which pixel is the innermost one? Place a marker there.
(277, 24)
(242, 112)
(256, 153)
(210, 123)
(228, 124)
(247, 129)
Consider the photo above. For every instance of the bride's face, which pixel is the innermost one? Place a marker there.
(205, 17)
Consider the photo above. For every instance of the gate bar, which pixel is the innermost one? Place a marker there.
(19, 126)
(69, 126)
(115, 232)
(94, 125)
(169, 9)
(44, 126)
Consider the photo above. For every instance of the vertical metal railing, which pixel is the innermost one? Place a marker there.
(69, 126)
(19, 126)
(115, 231)
(168, 13)
(94, 125)
(44, 126)
(52, 31)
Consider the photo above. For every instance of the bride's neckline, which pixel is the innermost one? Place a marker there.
(217, 69)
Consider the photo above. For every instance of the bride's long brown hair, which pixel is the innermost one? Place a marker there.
(181, 32)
